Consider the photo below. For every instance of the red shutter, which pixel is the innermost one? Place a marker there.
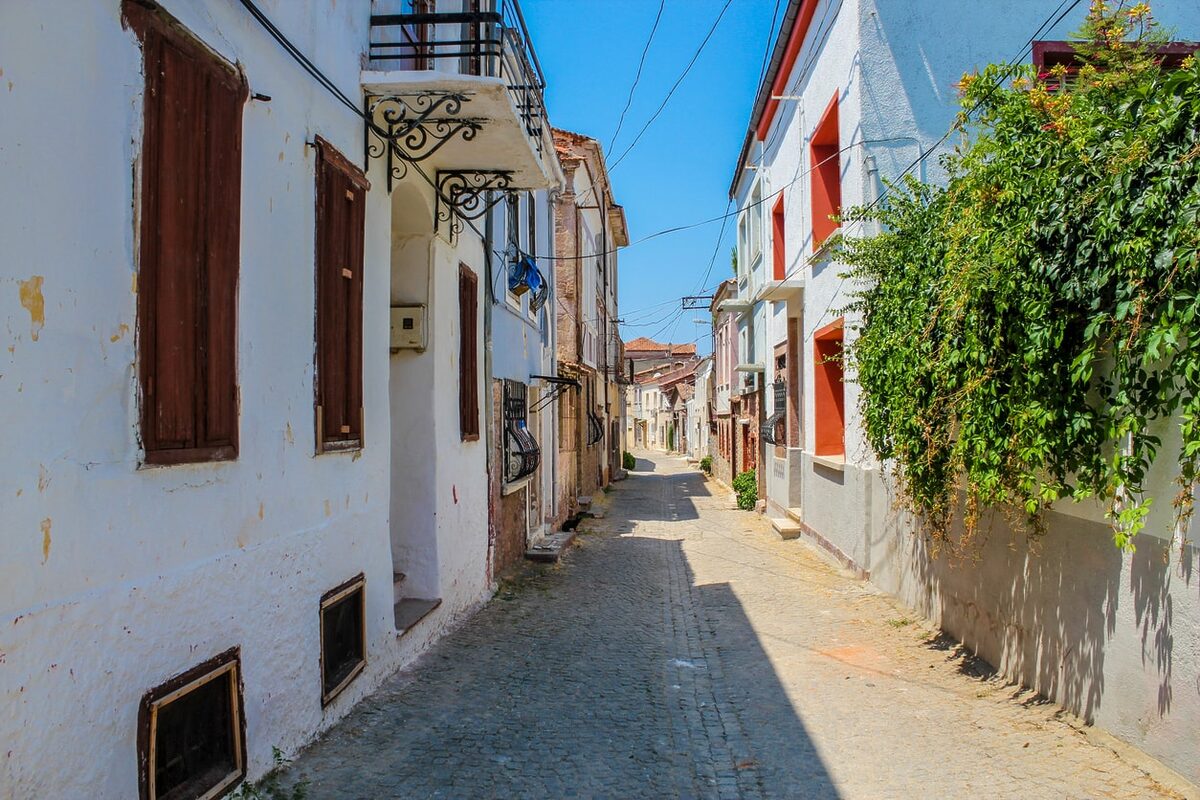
(341, 216)
(188, 265)
(468, 361)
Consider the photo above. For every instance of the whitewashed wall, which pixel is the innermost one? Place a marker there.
(114, 578)
(1115, 638)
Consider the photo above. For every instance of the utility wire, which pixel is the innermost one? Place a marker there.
(1013, 64)
(679, 80)
(638, 75)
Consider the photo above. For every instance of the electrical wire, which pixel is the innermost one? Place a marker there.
(638, 75)
(678, 81)
(1013, 64)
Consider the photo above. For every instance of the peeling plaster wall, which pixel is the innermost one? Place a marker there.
(116, 578)
(1113, 637)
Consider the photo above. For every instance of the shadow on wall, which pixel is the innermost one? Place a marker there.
(1039, 609)
(1066, 613)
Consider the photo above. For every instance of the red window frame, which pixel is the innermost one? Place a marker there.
(825, 154)
(778, 251)
(829, 392)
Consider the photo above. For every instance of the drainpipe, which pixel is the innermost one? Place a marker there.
(488, 415)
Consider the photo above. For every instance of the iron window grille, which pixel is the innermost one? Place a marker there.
(770, 428)
(521, 452)
(595, 429)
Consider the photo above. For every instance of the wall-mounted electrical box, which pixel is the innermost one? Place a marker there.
(408, 328)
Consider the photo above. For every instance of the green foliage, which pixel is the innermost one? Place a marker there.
(269, 787)
(628, 462)
(706, 465)
(746, 486)
(733, 260)
(1030, 331)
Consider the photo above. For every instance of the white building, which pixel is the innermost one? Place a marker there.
(699, 412)
(234, 313)
(855, 92)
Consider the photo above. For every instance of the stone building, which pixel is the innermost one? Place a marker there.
(589, 230)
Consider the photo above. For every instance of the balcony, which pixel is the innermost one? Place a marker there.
(782, 290)
(461, 90)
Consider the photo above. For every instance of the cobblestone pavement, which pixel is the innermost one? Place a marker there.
(683, 650)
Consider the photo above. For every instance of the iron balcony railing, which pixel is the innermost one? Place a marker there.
(493, 44)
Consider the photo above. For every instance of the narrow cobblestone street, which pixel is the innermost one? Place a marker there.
(682, 650)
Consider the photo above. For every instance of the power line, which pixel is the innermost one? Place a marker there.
(1013, 64)
(638, 75)
(678, 81)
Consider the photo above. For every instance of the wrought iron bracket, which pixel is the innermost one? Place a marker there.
(406, 129)
(558, 386)
(468, 194)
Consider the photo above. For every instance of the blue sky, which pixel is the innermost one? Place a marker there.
(679, 172)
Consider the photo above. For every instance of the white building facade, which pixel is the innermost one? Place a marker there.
(856, 92)
(237, 309)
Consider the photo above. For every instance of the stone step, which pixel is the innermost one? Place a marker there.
(411, 610)
(549, 549)
(584, 501)
(398, 586)
(786, 528)
(796, 514)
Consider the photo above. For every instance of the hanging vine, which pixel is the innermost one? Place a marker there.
(1030, 329)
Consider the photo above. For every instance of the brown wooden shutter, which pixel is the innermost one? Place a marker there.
(341, 218)
(188, 265)
(468, 361)
(222, 234)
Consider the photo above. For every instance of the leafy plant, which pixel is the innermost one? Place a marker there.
(706, 465)
(746, 486)
(269, 788)
(1030, 331)
(628, 462)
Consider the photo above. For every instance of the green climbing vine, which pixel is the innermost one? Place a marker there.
(1031, 328)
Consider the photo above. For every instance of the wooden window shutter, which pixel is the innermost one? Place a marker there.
(341, 218)
(190, 231)
(468, 362)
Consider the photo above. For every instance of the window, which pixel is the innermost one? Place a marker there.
(341, 201)
(343, 637)
(826, 175)
(1047, 55)
(754, 229)
(778, 253)
(188, 263)
(468, 354)
(192, 733)
(829, 391)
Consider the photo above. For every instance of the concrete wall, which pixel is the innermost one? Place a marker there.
(117, 577)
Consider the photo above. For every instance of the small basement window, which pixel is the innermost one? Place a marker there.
(343, 637)
(191, 742)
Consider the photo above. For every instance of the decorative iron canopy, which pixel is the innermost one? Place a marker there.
(468, 194)
(409, 128)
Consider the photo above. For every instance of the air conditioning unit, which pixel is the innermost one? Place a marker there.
(408, 328)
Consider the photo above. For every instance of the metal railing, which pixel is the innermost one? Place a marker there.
(486, 43)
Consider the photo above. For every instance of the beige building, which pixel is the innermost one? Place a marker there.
(589, 227)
